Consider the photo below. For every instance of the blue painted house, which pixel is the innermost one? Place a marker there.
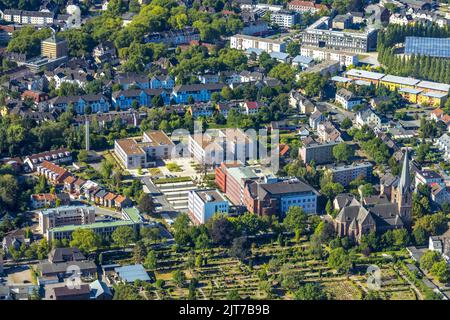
(162, 82)
(97, 103)
(124, 98)
(129, 80)
(200, 92)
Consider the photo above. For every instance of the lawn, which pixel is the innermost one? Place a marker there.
(173, 167)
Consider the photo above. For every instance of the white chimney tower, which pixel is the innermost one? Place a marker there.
(87, 134)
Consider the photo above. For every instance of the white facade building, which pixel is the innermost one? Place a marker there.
(320, 54)
(203, 204)
(284, 18)
(243, 42)
(215, 146)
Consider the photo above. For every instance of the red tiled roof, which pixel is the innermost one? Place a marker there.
(110, 196)
(302, 3)
(70, 179)
(54, 168)
(120, 199)
(44, 197)
(438, 112)
(252, 105)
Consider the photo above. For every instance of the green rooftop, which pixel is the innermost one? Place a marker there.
(134, 214)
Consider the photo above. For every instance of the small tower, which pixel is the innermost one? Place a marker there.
(404, 192)
(87, 134)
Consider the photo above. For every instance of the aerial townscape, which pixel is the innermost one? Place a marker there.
(224, 150)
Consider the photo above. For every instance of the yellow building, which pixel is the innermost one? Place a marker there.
(410, 94)
(433, 87)
(395, 82)
(53, 48)
(435, 99)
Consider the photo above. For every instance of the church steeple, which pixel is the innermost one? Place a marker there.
(405, 178)
(404, 192)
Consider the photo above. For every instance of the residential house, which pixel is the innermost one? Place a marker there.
(367, 117)
(52, 172)
(197, 92)
(91, 103)
(57, 156)
(347, 99)
(135, 98)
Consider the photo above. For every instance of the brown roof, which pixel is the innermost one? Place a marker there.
(70, 179)
(79, 182)
(120, 199)
(54, 168)
(44, 197)
(67, 292)
(159, 137)
(129, 146)
(110, 196)
(48, 153)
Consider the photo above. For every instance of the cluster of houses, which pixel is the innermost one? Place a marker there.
(48, 165)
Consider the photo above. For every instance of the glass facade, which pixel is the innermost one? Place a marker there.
(434, 47)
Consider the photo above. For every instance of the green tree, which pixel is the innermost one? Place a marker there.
(428, 259)
(179, 277)
(123, 236)
(310, 291)
(293, 48)
(85, 240)
(295, 221)
(181, 229)
(343, 152)
(146, 204)
(340, 260)
(346, 124)
(151, 261)
(233, 295)
(441, 271)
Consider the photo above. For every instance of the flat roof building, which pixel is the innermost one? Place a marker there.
(203, 204)
(244, 42)
(320, 35)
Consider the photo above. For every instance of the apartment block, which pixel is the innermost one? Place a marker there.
(65, 215)
(141, 153)
(285, 18)
(203, 204)
(232, 178)
(53, 48)
(320, 35)
(320, 54)
(318, 152)
(216, 146)
(275, 198)
(347, 173)
(244, 42)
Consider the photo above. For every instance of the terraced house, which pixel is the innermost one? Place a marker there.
(91, 103)
(198, 92)
(125, 99)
